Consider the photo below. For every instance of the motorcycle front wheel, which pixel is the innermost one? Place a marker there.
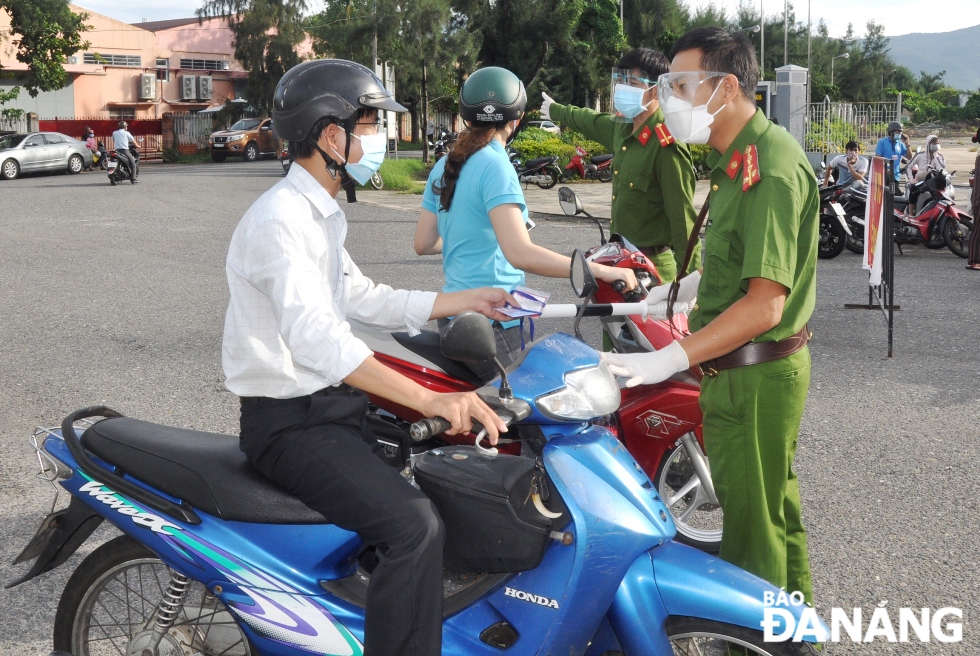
(855, 240)
(956, 234)
(832, 237)
(698, 522)
(109, 607)
(553, 175)
(694, 636)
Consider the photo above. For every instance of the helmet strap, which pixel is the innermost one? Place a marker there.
(335, 169)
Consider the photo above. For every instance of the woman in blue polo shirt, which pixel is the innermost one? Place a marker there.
(473, 210)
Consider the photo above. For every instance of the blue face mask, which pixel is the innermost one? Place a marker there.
(373, 148)
(628, 100)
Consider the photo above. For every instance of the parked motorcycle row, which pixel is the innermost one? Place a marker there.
(558, 526)
(925, 213)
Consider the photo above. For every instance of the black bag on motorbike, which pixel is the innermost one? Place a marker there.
(491, 523)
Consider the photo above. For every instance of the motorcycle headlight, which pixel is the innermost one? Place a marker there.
(588, 393)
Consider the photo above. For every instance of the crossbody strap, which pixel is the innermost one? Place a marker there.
(688, 254)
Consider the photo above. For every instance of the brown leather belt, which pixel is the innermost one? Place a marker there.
(757, 352)
(651, 251)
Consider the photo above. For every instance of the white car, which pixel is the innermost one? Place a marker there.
(547, 126)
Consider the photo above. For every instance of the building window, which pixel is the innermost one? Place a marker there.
(163, 69)
(130, 61)
(204, 64)
(122, 114)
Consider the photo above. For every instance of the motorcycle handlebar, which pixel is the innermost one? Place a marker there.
(429, 427)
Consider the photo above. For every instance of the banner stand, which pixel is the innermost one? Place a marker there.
(882, 296)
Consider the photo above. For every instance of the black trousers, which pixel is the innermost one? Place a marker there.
(127, 157)
(321, 449)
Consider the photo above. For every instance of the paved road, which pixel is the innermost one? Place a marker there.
(117, 296)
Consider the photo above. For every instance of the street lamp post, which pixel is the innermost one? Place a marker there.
(762, 41)
(846, 55)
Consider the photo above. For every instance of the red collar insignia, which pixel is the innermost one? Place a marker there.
(733, 164)
(644, 135)
(664, 135)
(750, 173)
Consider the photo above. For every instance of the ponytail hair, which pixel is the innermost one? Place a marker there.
(470, 141)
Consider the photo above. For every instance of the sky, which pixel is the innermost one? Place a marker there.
(898, 16)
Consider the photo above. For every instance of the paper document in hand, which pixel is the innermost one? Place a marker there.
(531, 302)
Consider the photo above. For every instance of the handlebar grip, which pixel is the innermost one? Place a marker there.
(428, 427)
(619, 286)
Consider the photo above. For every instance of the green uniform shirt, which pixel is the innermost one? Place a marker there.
(769, 231)
(652, 186)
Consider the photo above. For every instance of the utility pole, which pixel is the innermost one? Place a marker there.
(809, 52)
(762, 42)
(785, 32)
(374, 43)
(621, 16)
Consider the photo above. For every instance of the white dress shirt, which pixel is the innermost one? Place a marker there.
(292, 286)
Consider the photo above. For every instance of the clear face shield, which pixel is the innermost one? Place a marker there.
(684, 99)
(631, 94)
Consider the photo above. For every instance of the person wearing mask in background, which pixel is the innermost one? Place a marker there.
(121, 140)
(851, 167)
(974, 261)
(653, 174)
(892, 147)
(756, 294)
(91, 144)
(930, 157)
(473, 209)
(303, 377)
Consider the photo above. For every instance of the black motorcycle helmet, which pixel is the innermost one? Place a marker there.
(491, 96)
(894, 127)
(327, 88)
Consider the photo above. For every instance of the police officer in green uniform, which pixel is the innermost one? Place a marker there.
(653, 175)
(757, 291)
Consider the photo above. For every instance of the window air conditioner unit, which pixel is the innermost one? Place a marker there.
(188, 87)
(204, 87)
(148, 86)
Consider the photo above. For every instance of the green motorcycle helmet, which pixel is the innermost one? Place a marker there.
(492, 95)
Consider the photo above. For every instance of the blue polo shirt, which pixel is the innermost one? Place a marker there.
(888, 149)
(471, 255)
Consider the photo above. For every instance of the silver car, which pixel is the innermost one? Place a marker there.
(41, 151)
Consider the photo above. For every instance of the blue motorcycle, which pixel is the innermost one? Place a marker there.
(564, 549)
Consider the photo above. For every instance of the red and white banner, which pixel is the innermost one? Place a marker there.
(874, 214)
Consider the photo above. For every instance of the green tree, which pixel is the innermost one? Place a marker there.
(44, 34)
(266, 33)
(654, 23)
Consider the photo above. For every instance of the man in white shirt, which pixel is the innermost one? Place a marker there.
(121, 139)
(289, 353)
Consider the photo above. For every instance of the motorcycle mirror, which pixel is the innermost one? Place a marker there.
(583, 282)
(468, 338)
(570, 204)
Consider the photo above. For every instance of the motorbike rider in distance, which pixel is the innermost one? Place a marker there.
(892, 147)
(289, 353)
(121, 140)
(851, 167)
(473, 209)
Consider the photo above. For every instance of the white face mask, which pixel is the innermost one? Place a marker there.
(687, 123)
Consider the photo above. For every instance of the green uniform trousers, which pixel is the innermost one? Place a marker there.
(751, 423)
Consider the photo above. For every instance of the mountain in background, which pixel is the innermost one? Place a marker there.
(956, 52)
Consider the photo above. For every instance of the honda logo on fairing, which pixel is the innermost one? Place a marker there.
(531, 598)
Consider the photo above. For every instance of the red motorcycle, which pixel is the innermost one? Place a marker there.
(599, 167)
(660, 425)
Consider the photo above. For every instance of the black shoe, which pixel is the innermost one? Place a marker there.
(135, 181)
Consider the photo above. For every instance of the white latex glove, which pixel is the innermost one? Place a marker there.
(687, 292)
(647, 368)
(546, 106)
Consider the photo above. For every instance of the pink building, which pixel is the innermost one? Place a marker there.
(139, 71)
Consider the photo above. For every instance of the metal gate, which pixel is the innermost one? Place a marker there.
(146, 131)
(831, 125)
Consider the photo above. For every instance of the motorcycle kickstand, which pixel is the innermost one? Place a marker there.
(697, 457)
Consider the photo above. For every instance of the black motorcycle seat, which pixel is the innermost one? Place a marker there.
(426, 345)
(599, 159)
(206, 470)
(538, 161)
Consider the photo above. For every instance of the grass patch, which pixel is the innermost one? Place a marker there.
(405, 175)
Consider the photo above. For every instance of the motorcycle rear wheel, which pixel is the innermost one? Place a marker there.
(956, 234)
(604, 175)
(553, 174)
(694, 636)
(698, 522)
(377, 181)
(111, 599)
(832, 237)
